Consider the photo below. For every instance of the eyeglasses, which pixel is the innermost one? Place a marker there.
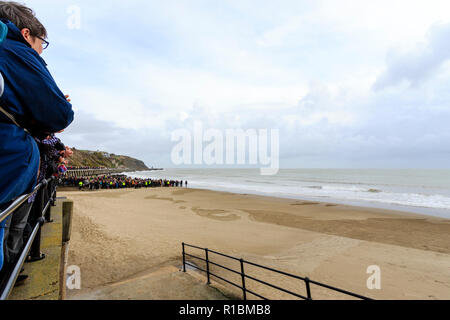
(45, 43)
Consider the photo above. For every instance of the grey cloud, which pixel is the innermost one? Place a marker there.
(419, 65)
(404, 128)
(88, 132)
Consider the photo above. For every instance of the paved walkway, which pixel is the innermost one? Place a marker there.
(44, 282)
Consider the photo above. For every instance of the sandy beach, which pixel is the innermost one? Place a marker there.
(120, 233)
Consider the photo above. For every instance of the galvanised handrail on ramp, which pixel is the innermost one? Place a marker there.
(308, 282)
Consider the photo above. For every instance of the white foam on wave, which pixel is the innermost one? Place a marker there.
(338, 192)
(423, 190)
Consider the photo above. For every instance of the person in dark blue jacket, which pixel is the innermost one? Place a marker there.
(31, 100)
(3, 33)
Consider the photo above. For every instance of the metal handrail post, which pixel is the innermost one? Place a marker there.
(52, 191)
(207, 267)
(184, 259)
(47, 199)
(37, 218)
(244, 290)
(308, 288)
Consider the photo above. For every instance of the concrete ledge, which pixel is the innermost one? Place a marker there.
(46, 277)
(67, 211)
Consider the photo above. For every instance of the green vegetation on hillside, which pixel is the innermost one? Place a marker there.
(85, 158)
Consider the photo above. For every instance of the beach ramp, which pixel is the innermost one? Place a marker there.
(166, 283)
(46, 279)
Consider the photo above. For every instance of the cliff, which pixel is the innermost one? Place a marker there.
(85, 158)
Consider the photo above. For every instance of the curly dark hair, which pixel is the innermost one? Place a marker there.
(22, 17)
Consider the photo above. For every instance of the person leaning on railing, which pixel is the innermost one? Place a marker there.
(54, 154)
(3, 33)
(31, 105)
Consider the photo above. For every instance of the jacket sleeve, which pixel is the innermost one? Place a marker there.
(3, 31)
(44, 105)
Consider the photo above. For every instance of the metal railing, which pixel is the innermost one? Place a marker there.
(40, 213)
(308, 282)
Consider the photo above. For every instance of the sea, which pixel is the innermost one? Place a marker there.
(422, 191)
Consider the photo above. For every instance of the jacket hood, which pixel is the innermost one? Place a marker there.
(14, 32)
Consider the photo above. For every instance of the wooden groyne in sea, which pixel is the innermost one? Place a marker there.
(77, 173)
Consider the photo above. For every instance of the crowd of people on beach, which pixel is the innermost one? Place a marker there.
(117, 182)
(32, 110)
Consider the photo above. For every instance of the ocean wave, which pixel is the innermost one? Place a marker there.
(354, 193)
(387, 188)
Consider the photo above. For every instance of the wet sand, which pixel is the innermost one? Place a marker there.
(121, 233)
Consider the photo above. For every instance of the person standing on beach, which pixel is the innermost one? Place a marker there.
(31, 100)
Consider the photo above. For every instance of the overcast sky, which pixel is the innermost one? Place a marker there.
(348, 83)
